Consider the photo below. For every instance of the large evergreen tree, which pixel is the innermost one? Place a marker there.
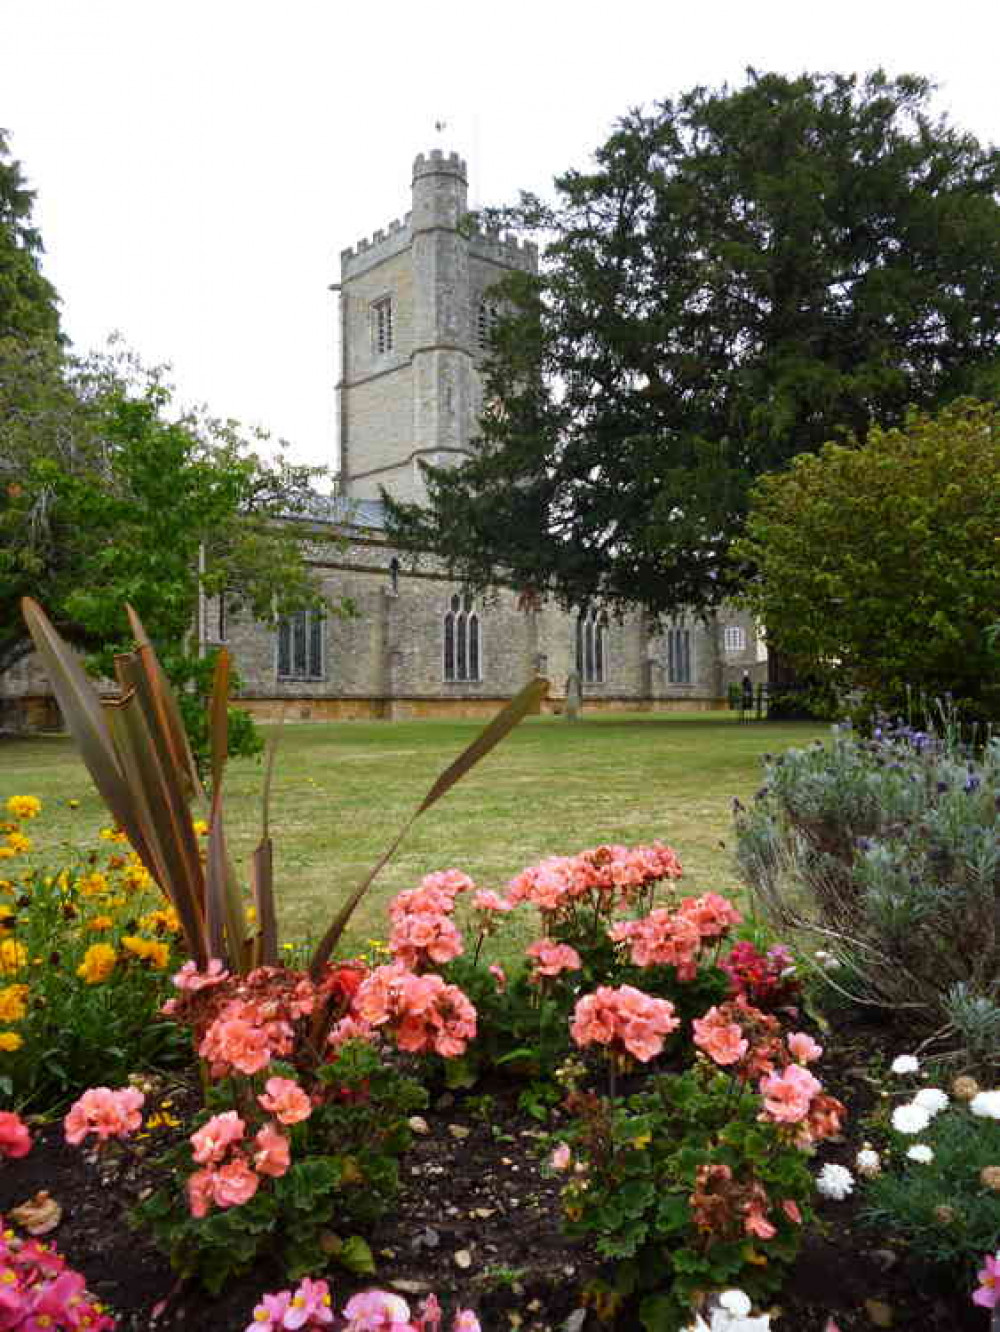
(741, 276)
(28, 302)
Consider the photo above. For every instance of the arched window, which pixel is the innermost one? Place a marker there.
(592, 645)
(489, 317)
(678, 654)
(461, 640)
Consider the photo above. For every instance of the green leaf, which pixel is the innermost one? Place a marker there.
(356, 1256)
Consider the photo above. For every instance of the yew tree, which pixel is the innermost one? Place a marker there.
(878, 564)
(738, 277)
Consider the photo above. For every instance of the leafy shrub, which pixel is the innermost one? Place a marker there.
(887, 851)
(86, 951)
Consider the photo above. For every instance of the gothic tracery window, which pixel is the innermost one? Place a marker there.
(300, 646)
(381, 316)
(678, 655)
(592, 645)
(461, 641)
(489, 316)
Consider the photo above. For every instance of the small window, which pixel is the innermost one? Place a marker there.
(382, 326)
(592, 646)
(679, 656)
(221, 626)
(300, 646)
(461, 641)
(734, 638)
(489, 317)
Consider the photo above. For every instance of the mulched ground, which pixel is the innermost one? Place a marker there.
(476, 1219)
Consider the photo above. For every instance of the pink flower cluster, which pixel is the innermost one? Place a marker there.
(230, 1168)
(105, 1113)
(310, 1307)
(15, 1139)
(551, 958)
(601, 876)
(624, 1019)
(424, 1013)
(766, 980)
(423, 933)
(676, 938)
(38, 1290)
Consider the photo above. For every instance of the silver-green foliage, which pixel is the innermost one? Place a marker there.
(887, 851)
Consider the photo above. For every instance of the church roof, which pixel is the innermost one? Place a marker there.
(341, 511)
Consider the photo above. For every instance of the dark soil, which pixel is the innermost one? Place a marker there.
(478, 1222)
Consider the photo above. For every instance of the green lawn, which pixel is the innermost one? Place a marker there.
(342, 790)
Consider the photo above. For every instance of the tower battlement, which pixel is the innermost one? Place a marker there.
(391, 233)
(436, 163)
(503, 249)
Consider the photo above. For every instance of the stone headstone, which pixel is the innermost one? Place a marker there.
(574, 697)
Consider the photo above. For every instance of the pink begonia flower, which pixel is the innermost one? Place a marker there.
(553, 958)
(377, 1311)
(15, 1139)
(191, 979)
(466, 1321)
(561, 1157)
(109, 1114)
(235, 1043)
(285, 1099)
(988, 1294)
(722, 1041)
(268, 1316)
(210, 1143)
(803, 1047)
(429, 1319)
(273, 1155)
(787, 1095)
(309, 1305)
(499, 977)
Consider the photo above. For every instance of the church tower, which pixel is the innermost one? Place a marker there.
(415, 315)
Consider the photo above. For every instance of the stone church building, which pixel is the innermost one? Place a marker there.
(415, 310)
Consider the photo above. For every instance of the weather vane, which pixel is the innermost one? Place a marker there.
(440, 126)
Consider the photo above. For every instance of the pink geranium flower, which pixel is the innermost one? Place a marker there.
(273, 1154)
(235, 1043)
(787, 1095)
(721, 1040)
(234, 1183)
(551, 958)
(15, 1139)
(624, 1018)
(487, 900)
(211, 1142)
(106, 1113)
(499, 977)
(191, 979)
(804, 1049)
(285, 1099)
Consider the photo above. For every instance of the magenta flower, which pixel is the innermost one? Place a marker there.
(988, 1294)
(377, 1311)
(268, 1316)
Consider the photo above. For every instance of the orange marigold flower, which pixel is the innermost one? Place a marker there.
(98, 963)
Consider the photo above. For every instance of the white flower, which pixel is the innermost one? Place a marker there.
(835, 1181)
(910, 1118)
(905, 1064)
(735, 1302)
(986, 1104)
(868, 1163)
(931, 1099)
(921, 1153)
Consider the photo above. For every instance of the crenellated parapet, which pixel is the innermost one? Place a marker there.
(380, 244)
(506, 250)
(437, 162)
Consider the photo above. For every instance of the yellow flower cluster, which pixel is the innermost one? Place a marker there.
(149, 950)
(98, 963)
(24, 807)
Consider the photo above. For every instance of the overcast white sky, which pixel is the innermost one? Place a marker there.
(200, 164)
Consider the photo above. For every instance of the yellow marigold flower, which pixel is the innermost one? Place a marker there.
(12, 1005)
(137, 878)
(6, 911)
(18, 843)
(24, 807)
(200, 827)
(161, 921)
(92, 885)
(13, 956)
(99, 923)
(112, 835)
(98, 963)
(7, 852)
(10, 1040)
(148, 949)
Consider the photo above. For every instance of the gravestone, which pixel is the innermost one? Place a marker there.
(574, 698)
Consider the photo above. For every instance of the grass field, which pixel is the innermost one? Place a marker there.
(342, 790)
